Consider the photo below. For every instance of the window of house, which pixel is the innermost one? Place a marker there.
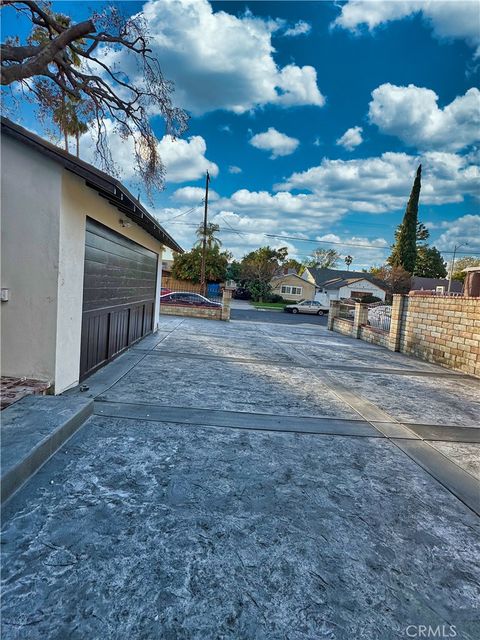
(296, 291)
(360, 294)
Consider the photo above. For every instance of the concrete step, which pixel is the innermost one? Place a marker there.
(32, 430)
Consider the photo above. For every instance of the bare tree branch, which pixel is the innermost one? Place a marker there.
(60, 59)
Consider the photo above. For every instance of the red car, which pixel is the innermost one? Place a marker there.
(185, 299)
(164, 291)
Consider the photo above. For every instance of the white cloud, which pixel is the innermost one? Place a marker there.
(272, 140)
(365, 251)
(221, 61)
(298, 29)
(448, 19)
(464, 229)
(184, 160)
(412, 114)
(380, 184)
(193, 195)
(317, 142)
(234, 169)
(351, 138)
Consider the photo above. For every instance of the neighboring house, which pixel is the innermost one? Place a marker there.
(430, 284)
(81, 262)
(167, 268)
(333, 284)
(292, 287)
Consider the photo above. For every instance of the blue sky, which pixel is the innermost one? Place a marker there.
(312, 118)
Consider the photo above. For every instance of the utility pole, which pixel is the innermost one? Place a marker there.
(457, 246)
(203, 283)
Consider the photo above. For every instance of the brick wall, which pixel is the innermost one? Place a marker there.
(191, 312)
(443, 330)
(341, 325)
(374, 336)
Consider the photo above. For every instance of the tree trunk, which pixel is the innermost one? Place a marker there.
(77, 135)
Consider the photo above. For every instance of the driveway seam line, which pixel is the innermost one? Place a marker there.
(133, 365)
(468, 494)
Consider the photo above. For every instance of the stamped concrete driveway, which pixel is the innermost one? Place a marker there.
(254, 481)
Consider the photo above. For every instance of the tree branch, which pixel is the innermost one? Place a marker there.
(39, 63)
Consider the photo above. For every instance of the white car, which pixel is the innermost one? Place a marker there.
(307, 306)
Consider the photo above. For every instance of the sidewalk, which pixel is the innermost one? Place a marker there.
(253, 480)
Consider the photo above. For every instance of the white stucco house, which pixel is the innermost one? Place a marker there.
(81, 263)
(333, 284)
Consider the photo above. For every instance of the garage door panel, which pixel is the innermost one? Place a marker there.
(100, 300)
(118, 295)
(117, 263)
(110, 241)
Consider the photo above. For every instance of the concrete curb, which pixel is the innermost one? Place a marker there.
(33, 430)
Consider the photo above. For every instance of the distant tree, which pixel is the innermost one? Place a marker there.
(321, 258)
(72, 58)
(187, 266)
(258, 267)
(348, 262)
(404, 251)
(212, 239)
(463, 263)
(397, 279)
(291, 263)
(429, 263)
(233, 271)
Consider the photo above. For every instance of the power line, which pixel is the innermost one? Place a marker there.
(184, 213)
(347, 244)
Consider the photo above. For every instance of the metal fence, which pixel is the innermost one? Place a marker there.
(380, 316)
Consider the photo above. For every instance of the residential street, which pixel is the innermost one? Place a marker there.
(253, 480)
(244, 311)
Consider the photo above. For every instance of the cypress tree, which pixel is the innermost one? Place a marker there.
(404, 253)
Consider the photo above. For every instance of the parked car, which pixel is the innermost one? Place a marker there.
(307, 306)
(240, 293)
(164, 291)
(185, 298)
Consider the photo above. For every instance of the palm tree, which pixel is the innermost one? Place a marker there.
(65, 109)
(211, 239)
(348, 262)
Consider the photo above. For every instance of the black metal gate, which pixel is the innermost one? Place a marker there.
(118, 295)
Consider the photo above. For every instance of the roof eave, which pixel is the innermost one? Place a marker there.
(106, 186)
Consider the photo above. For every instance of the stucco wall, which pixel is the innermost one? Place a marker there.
(30, 203)
(79, 201)
(364, 287)
(308, 289)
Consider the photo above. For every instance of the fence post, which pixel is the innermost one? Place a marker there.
(396, 322)
(333, 313)
(226, 299)
(361, 318)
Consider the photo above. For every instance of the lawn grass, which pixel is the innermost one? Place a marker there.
(268, 305)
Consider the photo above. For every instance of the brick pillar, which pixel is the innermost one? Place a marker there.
(361, 318)
(333, 313)
(226, 299)
(396, 322)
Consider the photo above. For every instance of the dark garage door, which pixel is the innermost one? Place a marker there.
(118, 295)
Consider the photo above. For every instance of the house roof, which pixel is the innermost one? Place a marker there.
(428, 284)
(336, 278)
(109, 188)
(289, 275)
